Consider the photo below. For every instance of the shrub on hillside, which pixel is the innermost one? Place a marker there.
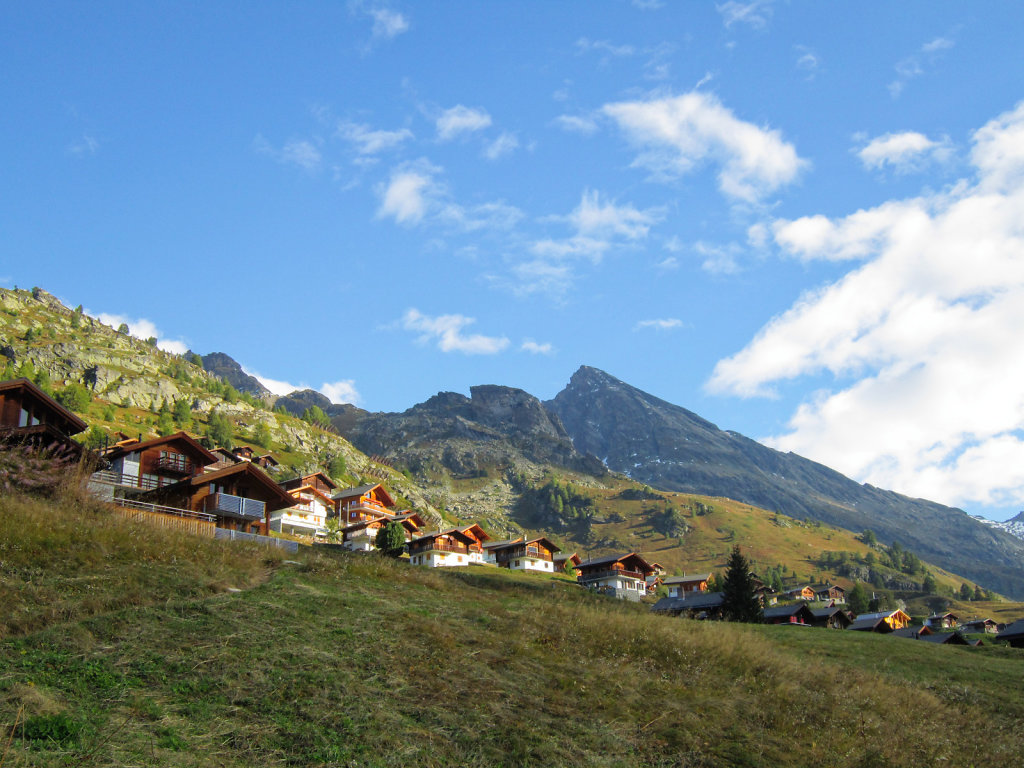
(26, 469)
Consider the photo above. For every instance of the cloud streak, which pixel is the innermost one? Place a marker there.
(447, 331)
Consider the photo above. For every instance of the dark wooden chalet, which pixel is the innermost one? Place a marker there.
(1013, 634)
(988, 626)
(149, 464)
(945, 638)
(240, 497)
(623, 576)
(794, 613)
(827, 592)
(870, 624)
(831, 617)
(29, 416)
(361, 536)
(696, 605)
(945, 620)
(806, 592)
(680, 586)
(911, 633)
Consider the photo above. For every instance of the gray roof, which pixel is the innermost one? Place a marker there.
(696, 602)
(785, 610)
(867, 623)
(686, 577)
(1012, 630)
(357, 491)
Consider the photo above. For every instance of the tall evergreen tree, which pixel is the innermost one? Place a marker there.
(391, 539)
(857, 598)
(739, 599)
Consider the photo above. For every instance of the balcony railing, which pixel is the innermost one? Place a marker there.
(160, 508)
(107, 477)
(365, 506)
(178, 465)
(609, 573)
(441, 546)
(225, 502)
(529, 553)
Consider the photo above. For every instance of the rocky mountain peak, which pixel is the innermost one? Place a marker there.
(228, 369)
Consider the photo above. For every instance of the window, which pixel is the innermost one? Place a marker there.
(23, 418)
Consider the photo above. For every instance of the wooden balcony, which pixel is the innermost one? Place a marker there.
(610, 574)
(441, 546)
(530, 553)
(175, 465)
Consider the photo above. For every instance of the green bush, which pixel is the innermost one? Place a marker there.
(59, 728)
(75, 397)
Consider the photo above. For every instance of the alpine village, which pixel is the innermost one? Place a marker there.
(195, 572)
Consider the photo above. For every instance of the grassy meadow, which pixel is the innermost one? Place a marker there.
(126, 645)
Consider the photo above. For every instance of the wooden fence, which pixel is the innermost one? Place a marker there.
(163, 520)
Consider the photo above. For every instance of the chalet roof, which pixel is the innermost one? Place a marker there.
(940, 616)
(826, 611)
(698, 602)
(1012, 631)
(474, 530)
(870, 624)
(777, 611)
(882, 614)
(412, 517)
(455, 532)
(181, 440)
(362, 490)
(565, 556)
(71, 423)
(269, 459)
(503, 543)
(825, 587)
(913, 633)
(632, 557)
(979, 623)
(944, 638)
(299, 482)
(687, 578)
(226, 455)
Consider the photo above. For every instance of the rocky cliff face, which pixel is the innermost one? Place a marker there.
(228, 369)
(671, 448)
(495, 428)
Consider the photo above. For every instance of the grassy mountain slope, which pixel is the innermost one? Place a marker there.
(355, 660)
(129, 381)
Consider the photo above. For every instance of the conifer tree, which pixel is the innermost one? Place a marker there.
(739, 599)
(390, 539)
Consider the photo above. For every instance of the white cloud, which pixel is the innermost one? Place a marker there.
(599, 226)
(754, 14)
(807, 61)
(87, 145)
(496, 216)
(920, 337)
(663, 324)
(300, 152)
(542, 276)
(718, 259)
(505, 143)
(343, 391)
(677, 134)
(460, 119)
(903, 152)
(142, 328)
(576, 124)
(668, 263)
(388, 23)
(409, 194)
(913, 66)
(535, 348)
(585, 45)
(447, 331)
(369, 141)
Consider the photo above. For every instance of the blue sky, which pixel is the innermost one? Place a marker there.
(802, 221)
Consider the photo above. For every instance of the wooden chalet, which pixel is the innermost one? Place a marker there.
(225, 458)
(364, 502)
(831, 617)
(451, 547)
(623, 576)
(240, 497)
(827, 592)
(680, 586)
(805, 592)
(361, 536)
(244, 452)
(696, 605)
(312, 506)
(945, 620)
(142, 465)
(267, 461)
(794, 613)
(988, 626)
(566, 563)
(29, 416)
(883, 621)
(945, 638)
(1013, 634)
(524, 554)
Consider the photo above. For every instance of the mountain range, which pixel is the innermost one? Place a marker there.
(599, 423)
